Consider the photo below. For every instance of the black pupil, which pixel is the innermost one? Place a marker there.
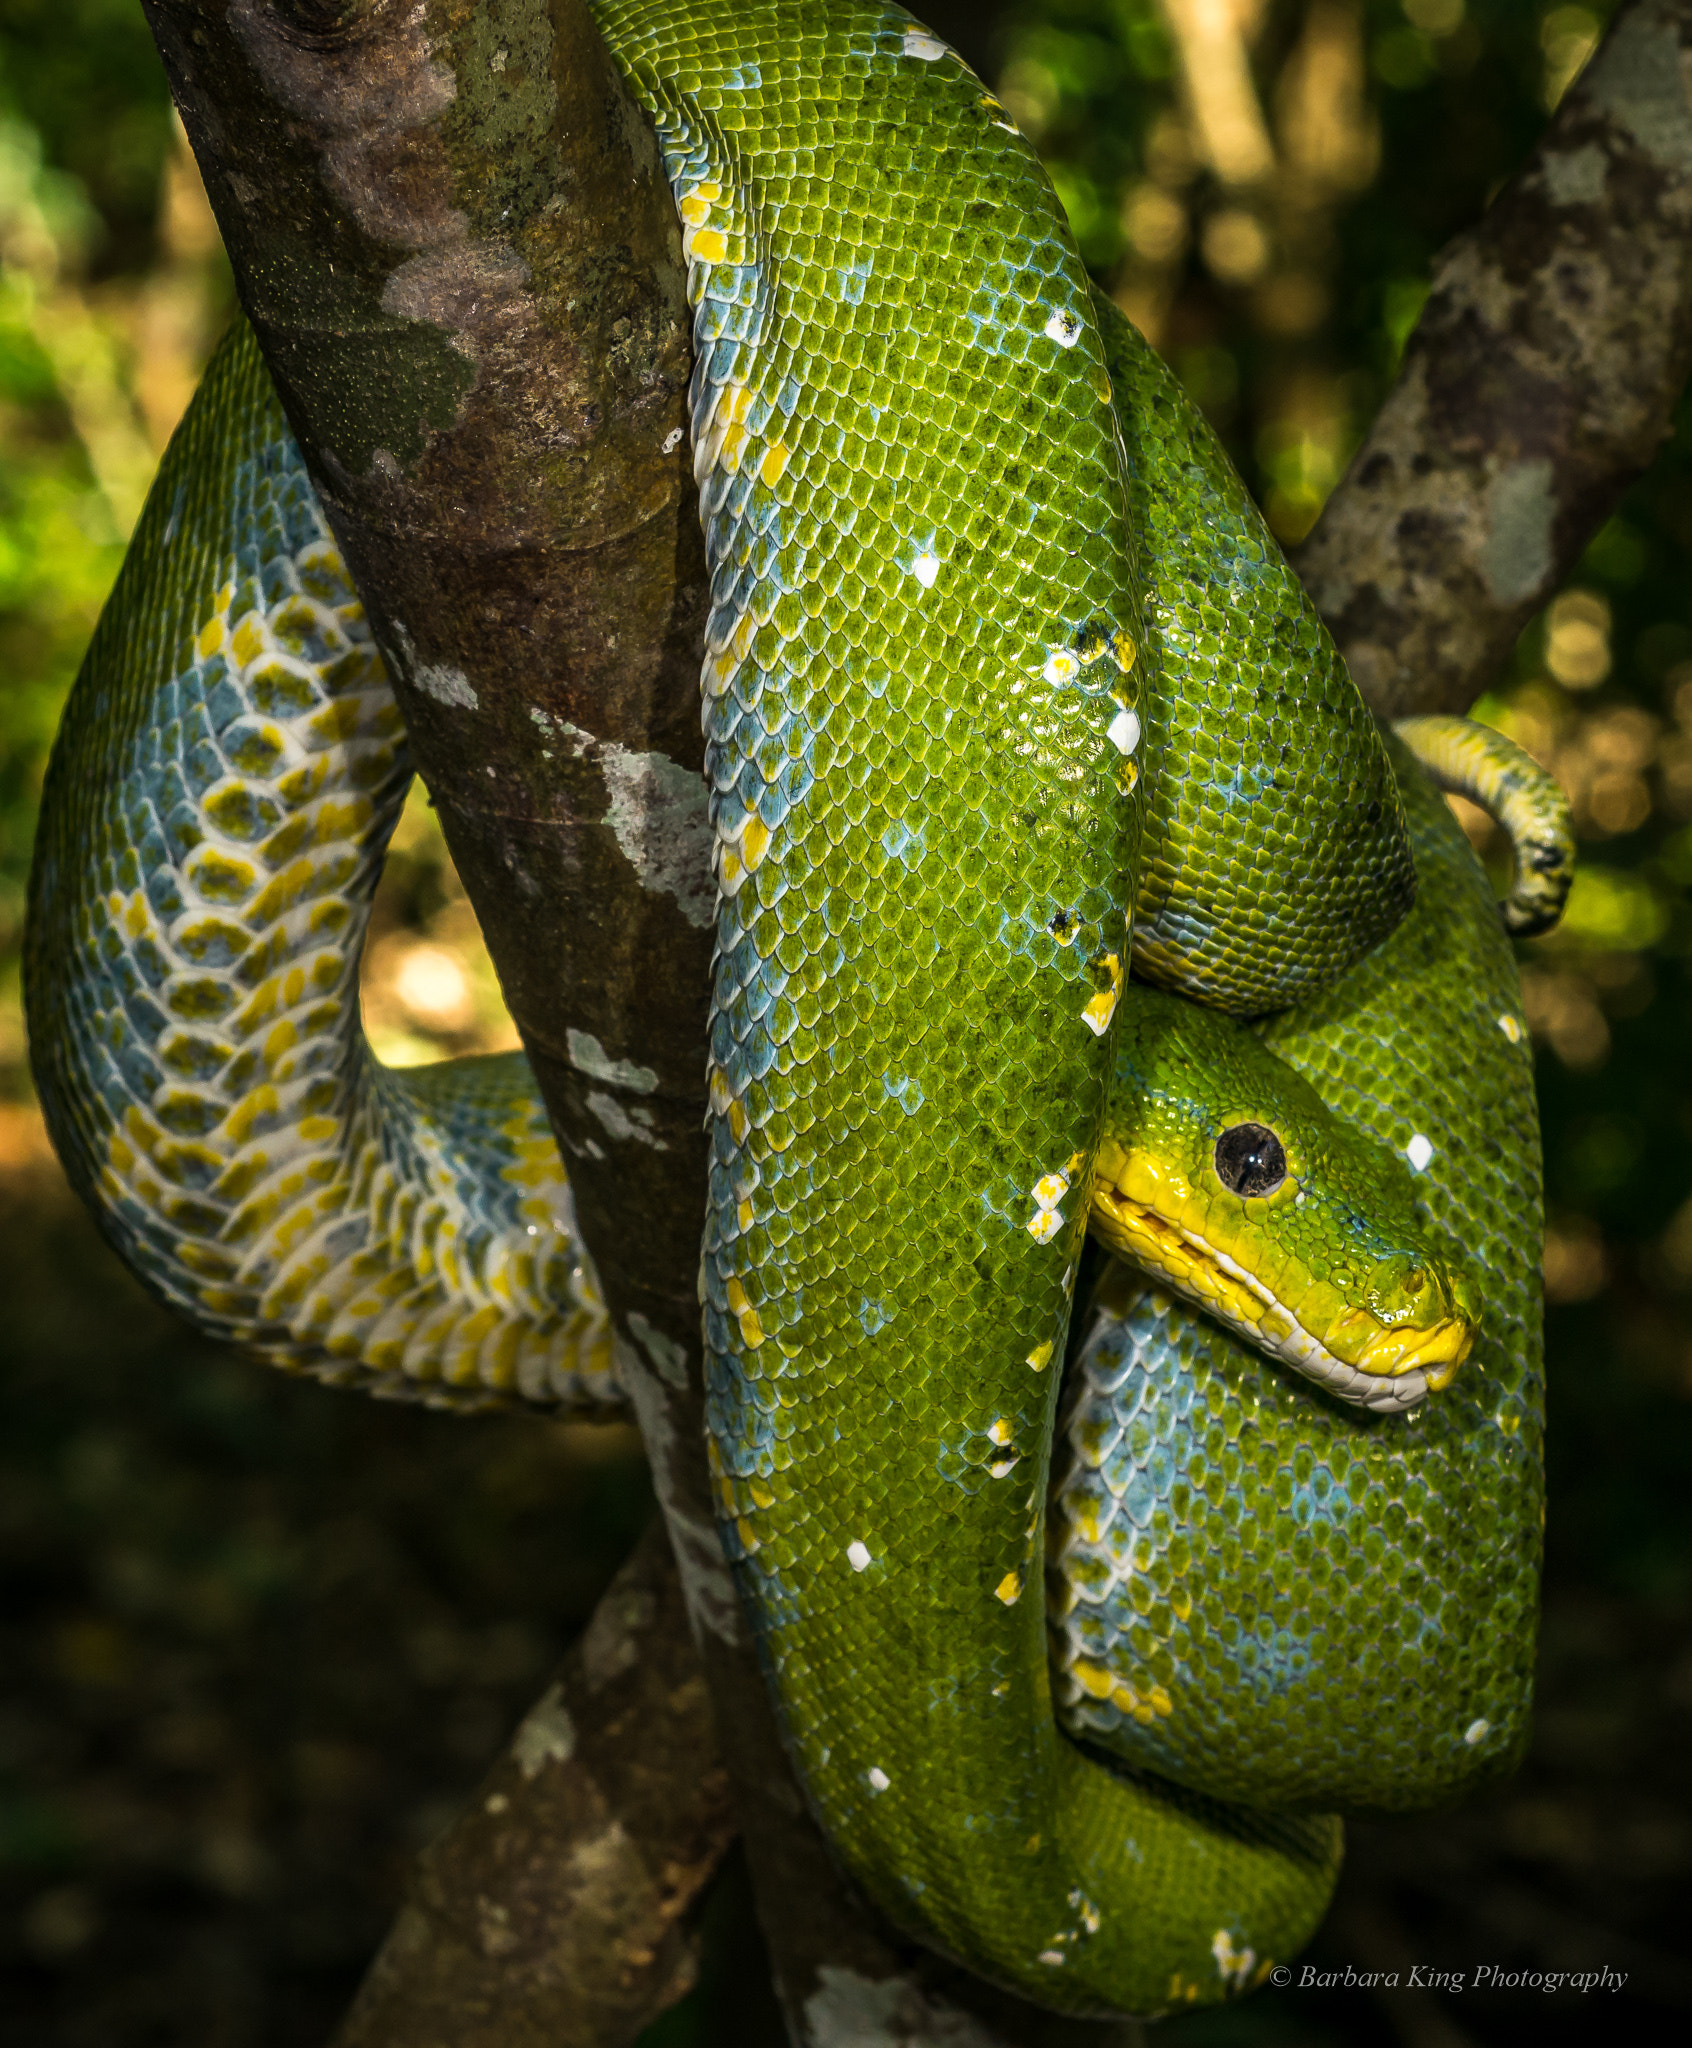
(1249, 1159)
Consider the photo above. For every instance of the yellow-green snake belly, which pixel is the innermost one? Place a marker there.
(1004, 685)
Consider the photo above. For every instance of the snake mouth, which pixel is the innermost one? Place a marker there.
(1360, 1357)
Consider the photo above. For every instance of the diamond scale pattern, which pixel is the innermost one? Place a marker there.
(231, 765)
(922, 699)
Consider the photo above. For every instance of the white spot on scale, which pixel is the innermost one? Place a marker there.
(1124, 731)
(1234, 1965)
(857, 1556)
(920, 44)
(877, 1778)
(1051, 1957)
(1419, 1151)
(1047, 1193)
(1064, 327)
(1477, 1731)
(673, 440)
(925, 568)
(1511, 1028)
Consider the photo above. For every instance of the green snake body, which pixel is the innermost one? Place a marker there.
(1003, 679)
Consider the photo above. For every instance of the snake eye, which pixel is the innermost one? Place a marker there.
(1250, 1159)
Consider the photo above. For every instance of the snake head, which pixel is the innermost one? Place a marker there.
(1224, 1175)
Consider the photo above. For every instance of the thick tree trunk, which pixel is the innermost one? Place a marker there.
(450, 230)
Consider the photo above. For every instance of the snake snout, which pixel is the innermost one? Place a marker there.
(1417, 1314)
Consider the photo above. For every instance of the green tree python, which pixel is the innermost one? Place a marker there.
(1005, 688)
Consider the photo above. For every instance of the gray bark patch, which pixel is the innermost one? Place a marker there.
(1577, 179)
(624, 1123)
(1641, 86)
(669, 1359)
(547, 1735)
(589, 1057)
(446, 685)
(662, 821)
(1517, 560)
(850, 2011)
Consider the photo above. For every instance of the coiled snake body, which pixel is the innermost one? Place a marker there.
(1003, 681)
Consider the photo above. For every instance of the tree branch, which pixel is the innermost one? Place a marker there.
(556, 1912)
(1538, 386)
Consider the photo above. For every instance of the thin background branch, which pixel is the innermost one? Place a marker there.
(1538, 386)
(556, 1912)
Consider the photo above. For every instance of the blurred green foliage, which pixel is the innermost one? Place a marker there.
(1269, 212)
(85, 131)
(85, 75)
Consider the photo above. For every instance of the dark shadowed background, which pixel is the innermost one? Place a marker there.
(257, 1640)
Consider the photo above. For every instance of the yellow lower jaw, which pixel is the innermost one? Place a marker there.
(1436, 1352)
(1146, 1240)
(1160, 1247)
